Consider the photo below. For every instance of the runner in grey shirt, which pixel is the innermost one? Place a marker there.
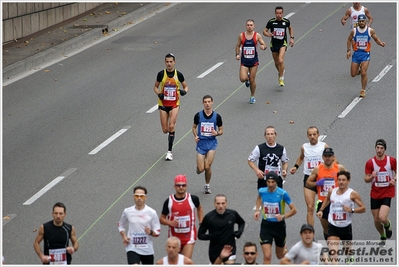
(305, 251)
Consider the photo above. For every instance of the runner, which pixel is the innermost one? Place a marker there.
(169, 93)
(247, 43)
(381, 173)
(312, 155)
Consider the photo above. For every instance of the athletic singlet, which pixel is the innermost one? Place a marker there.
(380, 187)
(331, 180)
(338, 216)
(179, 262)
(249, 54)
(170, 89)
(313, 156)
(270, 158)
(56, 239)
(184, 211)
(206, 126)
(354, 15)
(361, 40)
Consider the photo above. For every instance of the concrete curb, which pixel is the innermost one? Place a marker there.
(76, 43)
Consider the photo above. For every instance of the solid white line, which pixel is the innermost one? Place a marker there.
(210, 70)
(349, 107)
(289, 15)
(382, 73)
(109, 140)
(151, 110)
(49, 186)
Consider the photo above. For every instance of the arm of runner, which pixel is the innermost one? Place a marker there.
(345, 17)
(298, 161)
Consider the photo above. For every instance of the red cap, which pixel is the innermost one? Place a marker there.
(181, 178)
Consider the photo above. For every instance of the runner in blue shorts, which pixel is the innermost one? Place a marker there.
(207, 125)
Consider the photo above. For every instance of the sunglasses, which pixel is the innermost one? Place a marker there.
(140, 196)
(249, 253)
(181, 185)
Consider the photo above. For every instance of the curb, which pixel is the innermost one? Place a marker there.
(76, 43)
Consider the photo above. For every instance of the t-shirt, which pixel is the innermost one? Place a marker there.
(299, 253)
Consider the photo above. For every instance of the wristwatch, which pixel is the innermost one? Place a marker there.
(353, 210)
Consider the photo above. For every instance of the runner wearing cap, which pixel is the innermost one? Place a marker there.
(305, 251)
(272, 199)
(324, 176)
(178, 213)
(381, 173)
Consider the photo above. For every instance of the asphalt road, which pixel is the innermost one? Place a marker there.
(54, 118)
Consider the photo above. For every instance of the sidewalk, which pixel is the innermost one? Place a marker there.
(28, 53)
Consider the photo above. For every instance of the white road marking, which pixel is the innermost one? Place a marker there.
(109, 140)
(49, 186)
(210, 70)
(322, 137)
(349, 107)
(382, 73)
(289, 15)
(151, 110)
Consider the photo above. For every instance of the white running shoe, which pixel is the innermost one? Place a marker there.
(207, 189)
(169, 156)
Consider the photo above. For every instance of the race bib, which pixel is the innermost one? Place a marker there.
(139, 240)
(184, 224)
(249, 52)
(279, 33)
(169, 93)
(382, 179)
(361, 42)
(313, 162)
(206, 128)
(58, 256)
(327, 185)
(271, 209)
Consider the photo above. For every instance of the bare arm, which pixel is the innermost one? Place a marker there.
(267, 33)
(238, 45)
(376, 39)
(156, 85)
(291, 30)
(349, 44)
(200, 214)
(292, 211)
(257, 206)
(187, 261)
(311, 181)
(263, 45)
(260, 174)
(74, 240)
(345, 17)
(185, 86)
(368, 15)
(36, 245)
(324, 204)
(355, 196)
(194, 130)
(298, 161)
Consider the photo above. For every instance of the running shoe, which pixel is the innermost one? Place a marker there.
(207, 189)
(281, 82)
(252, 100)
(388, 230)
(383, 241)
(362, 93)
(169, 156)
(247, 83)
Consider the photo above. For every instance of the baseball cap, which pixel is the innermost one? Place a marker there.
(361, 17)
(181, 178)
(272, 175)
(307, 226)
(328, 152)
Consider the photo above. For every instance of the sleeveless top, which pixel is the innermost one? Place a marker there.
(56, 239)
(179, 262)
(170, 89)
(206, 126)
(331, 180)
(338, 216)
(362, 41)
(313, 156)
(249, 54)
(354, 15)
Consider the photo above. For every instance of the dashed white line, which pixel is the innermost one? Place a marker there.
(382, 73)
(8, 218)
(49, 186)
(210, 70)
(349, 107)
(109, 140)
(289, 15)
(151, 110)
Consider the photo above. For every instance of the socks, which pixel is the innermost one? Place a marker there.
(171, 139)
